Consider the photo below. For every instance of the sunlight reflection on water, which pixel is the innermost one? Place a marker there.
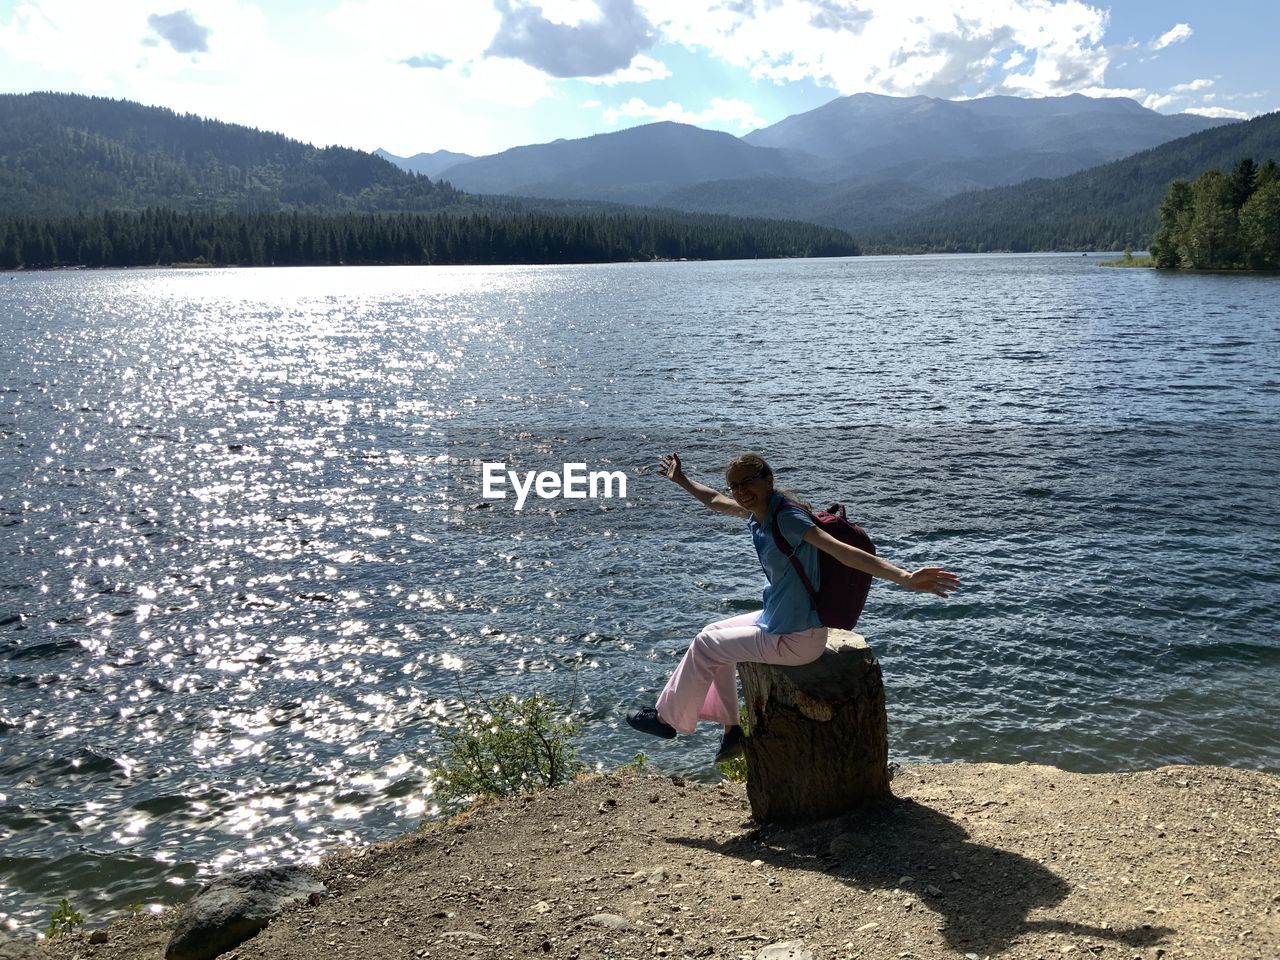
(247, 580)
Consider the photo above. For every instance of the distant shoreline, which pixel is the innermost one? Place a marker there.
(193, 265)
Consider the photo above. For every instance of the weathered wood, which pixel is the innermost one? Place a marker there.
(819, 740)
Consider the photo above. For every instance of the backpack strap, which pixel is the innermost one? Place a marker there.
(781, 542)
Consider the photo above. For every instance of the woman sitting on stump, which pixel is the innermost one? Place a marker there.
(788, 632)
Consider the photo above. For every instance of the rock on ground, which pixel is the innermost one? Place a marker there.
(984, 860)
(786, 950)
(13, 949)
(234, 908)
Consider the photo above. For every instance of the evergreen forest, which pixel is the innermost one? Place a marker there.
(160, 237)
(63, 153)
(1221, 221)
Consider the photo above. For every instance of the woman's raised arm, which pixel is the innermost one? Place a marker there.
(673, 470)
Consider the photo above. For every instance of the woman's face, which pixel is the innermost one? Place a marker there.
(749, 487)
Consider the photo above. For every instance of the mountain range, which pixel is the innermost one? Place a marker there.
(897, 174)
(1106, 207)
(855, 161)
(427, 164)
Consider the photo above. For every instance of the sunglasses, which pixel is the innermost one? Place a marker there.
(737, 485)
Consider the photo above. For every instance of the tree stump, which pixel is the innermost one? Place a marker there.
(819, 740)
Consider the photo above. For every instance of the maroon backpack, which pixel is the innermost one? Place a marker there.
(843, 591)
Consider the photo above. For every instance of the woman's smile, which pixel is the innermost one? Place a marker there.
(751, 490)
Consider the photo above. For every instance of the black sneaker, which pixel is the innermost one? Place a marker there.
(732, 745)
(648, 721)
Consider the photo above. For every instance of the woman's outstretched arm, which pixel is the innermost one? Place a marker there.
(933, 580)
(713, 499)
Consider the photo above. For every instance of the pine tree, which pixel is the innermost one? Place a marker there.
(1243, 181)
(1212, 238)
(1260, 227)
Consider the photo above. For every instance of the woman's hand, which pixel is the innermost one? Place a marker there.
(671, 468)
(933, 580)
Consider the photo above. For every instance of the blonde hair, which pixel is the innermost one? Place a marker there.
(753, 461)
(749, 461)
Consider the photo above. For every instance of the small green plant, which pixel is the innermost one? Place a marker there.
(736, 769)
(509, 746)
(63, 920)
(640, 763)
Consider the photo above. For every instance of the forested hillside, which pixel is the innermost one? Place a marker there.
(639, 165)
(63, 153)
(94, 182)
(1104, 208)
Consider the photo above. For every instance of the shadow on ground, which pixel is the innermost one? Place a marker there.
(982, 912)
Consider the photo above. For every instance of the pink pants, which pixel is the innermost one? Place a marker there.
(705, 685)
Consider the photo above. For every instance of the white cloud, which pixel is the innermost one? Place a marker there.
(569, 12)
(598, 44)
(341, 77)
(1132, 93)
(421, 76)
(1221, 112)
(99, 46)
(965, 47)
(391, 30)
(1193, 90)
(426, 61)
(643, 69)
(1178, 91)
(181, 31)
(721, 113)
(1175, 34)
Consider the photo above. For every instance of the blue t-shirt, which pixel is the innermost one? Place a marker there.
(787, 608)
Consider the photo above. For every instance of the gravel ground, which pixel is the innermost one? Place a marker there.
(967, 860)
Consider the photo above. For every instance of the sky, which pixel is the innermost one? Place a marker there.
(480, 76)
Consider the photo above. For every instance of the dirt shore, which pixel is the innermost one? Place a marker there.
(967, 861)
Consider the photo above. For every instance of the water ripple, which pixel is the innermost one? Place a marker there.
(249, 573)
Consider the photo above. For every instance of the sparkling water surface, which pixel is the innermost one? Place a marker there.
(249, 573)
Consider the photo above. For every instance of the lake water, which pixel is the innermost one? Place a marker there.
(248, 572)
